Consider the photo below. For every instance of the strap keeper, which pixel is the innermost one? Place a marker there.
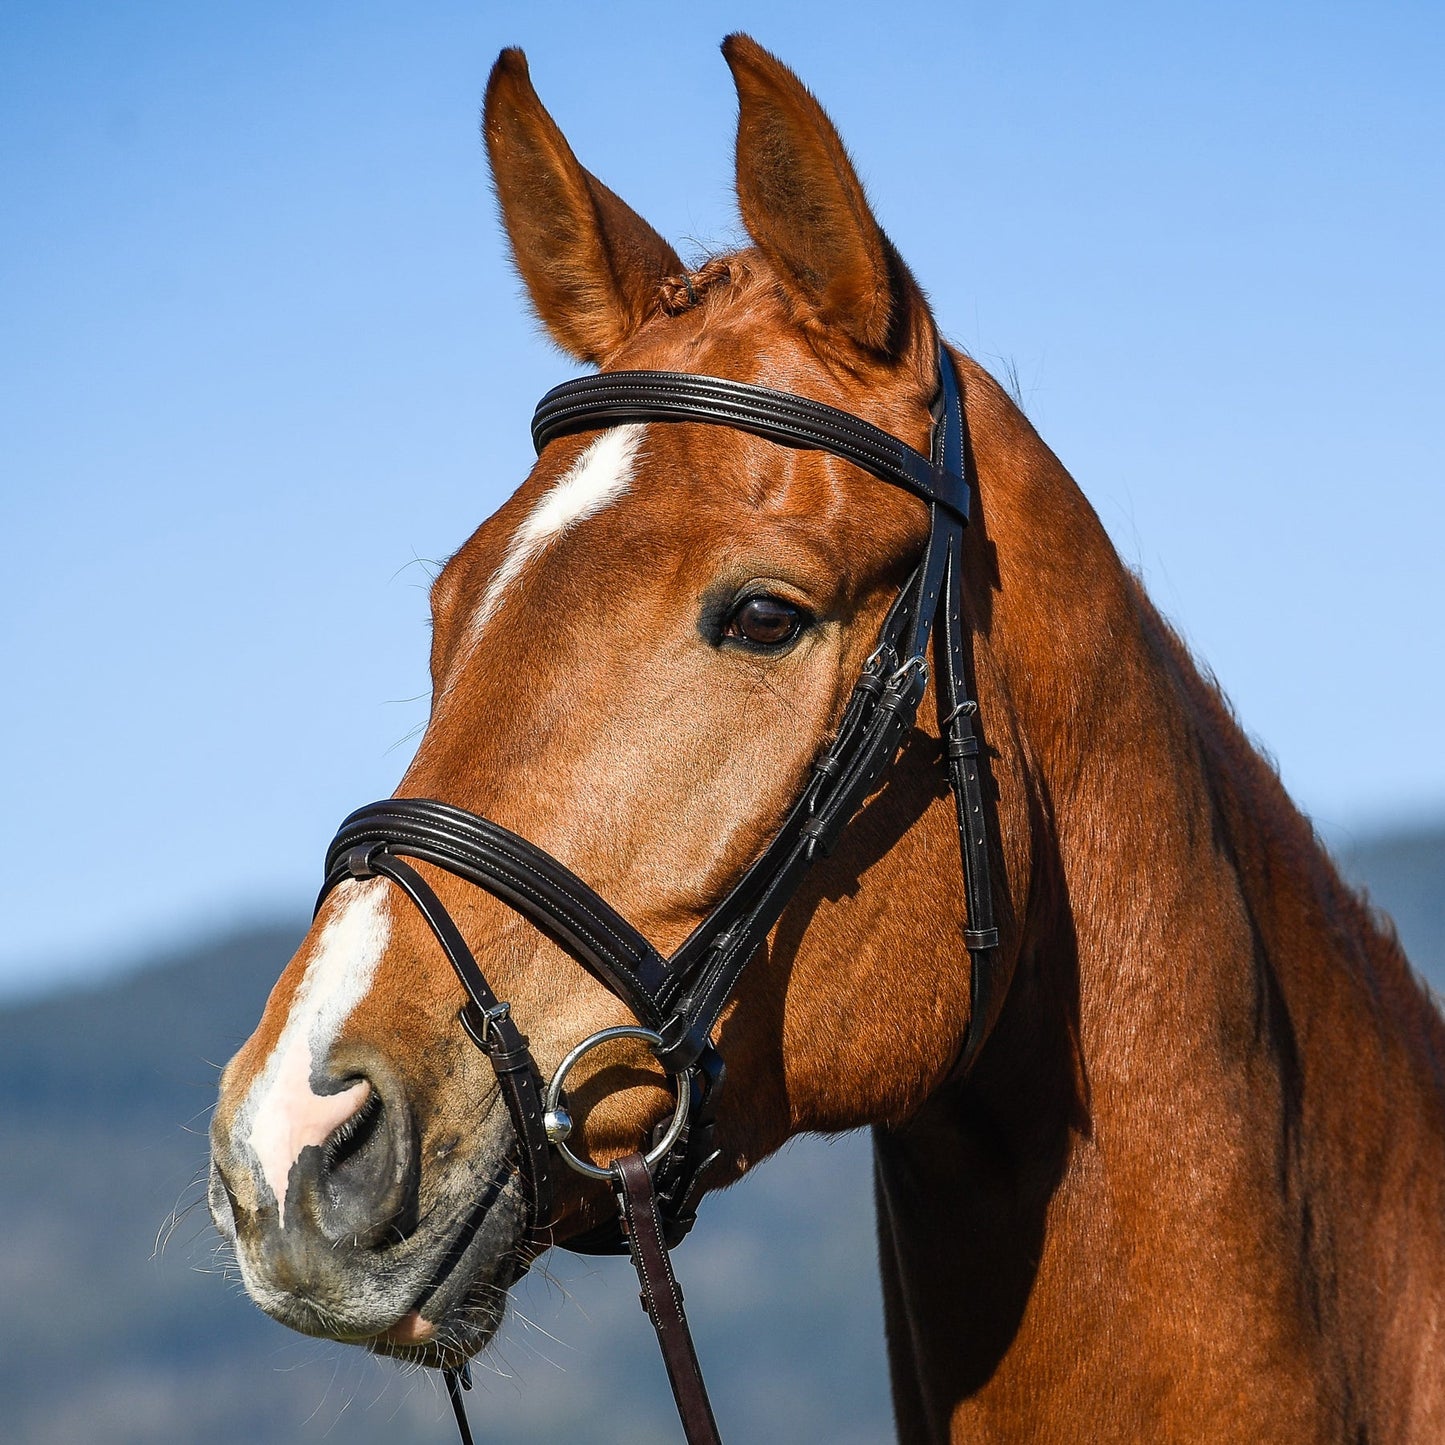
(976, 939)
(682, 1040)
(952, 491)
(820, 832)
(358, 860)
(515, 1061)
(964, 747)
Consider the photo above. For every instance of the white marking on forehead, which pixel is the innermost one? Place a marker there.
(600, 475)
(282, 1113)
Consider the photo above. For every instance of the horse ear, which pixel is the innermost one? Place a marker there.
(591, 265)
(804, 206)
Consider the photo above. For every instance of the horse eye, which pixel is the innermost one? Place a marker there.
(766, 622)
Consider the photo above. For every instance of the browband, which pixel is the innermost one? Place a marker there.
(613, 397)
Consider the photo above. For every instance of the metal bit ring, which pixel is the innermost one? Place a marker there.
(558, 1122)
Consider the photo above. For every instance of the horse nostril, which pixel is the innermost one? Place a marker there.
(218, 1198)
(365, 1176)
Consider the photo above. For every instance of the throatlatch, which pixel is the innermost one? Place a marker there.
(676, 1000)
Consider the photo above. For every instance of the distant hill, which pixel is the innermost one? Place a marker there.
(104, 1099)
(1403, 875)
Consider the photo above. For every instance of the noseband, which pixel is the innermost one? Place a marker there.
(676, 1000)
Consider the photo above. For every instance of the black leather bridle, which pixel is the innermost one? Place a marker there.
(676, 1000)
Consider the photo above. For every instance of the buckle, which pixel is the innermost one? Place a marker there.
(481, 1024)
(879, 658)
(967, 708)
(917, 663)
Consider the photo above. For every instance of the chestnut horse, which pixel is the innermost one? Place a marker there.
(1192, 1188)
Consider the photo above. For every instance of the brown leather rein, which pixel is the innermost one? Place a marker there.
(676, 1000)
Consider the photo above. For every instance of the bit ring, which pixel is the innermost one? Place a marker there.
(558, 1122)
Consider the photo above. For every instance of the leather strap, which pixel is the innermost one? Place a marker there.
(957, 717)
(612, 397)
(848, 775)
(547, 893)
(456, 1382)
(662, 1299)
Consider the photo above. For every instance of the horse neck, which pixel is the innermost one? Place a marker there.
(1208, 1044)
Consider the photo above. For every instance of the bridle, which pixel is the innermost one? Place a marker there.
(676, 1000)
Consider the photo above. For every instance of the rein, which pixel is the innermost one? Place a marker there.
(676, 1000)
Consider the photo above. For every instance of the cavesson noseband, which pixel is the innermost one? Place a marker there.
(676, 1000)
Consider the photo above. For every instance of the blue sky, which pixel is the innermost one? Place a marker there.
(264, 357)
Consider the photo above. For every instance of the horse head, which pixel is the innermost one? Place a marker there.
(635, 662)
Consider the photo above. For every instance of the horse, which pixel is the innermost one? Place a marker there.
(1190, 1183)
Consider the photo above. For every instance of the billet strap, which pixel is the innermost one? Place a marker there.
(662, 1298)
(957, 719)
(611, 398)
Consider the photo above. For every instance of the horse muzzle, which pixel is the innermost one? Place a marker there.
(330, 1231)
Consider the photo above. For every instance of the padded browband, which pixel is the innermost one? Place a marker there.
(612, 397)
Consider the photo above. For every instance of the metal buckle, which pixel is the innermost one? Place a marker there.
(877, 657)
(917, 663)
(967, 708)
(481, 1024)
(495, 1015)
(558, 1124)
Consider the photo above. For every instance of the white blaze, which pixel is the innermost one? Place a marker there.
(283, 1114)
(600, 475)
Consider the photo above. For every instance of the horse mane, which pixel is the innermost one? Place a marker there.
(1285, 869)
(680, 293)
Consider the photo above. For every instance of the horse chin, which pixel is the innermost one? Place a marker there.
(435, 1297)
(461, 1303)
